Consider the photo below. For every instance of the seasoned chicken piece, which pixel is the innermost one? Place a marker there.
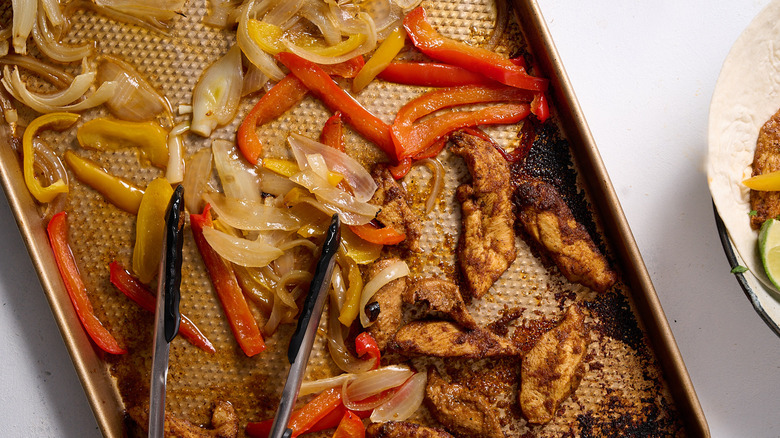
(486, 246)
(396, 211)
(223, 419)
(549, 222)
(402, 429)
(440, 296)
(446, 339)
(766, 159)
(390, 299)
(553, 369)
(462, 411)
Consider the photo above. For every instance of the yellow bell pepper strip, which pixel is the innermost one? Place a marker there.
(116, 190)
(766, 182)
(312, 45)
(476, 59)
(58, 122)
(141, 295)
(242, 323)
(381, 58)
(266, 35)
(320, 84)
(351, 307)
(333, 132)
(150, 229)
(105, 134)
(77, 290)
(289, 168)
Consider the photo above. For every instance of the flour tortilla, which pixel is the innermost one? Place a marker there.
(746, 95)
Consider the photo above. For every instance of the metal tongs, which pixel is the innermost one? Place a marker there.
(166, 315)
(303, 338)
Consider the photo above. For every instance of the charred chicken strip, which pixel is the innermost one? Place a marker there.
(403, 429)
(765, 160)
(390, 299)
(447, 339)
(396, 212)
(440, 296)
(462, 411)
(553, 369)
(486, 246)
(549, 222)
(223, 419)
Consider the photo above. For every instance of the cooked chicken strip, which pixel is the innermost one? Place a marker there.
(223, 419)
(447, 339)
(402, 429)
(390, 299)
(486, 246)
(766, 159)
(464, 412)
(440, 296)
(395, 210)
(549, 222)
(553, 369)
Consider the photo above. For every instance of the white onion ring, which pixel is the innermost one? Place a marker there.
(253, 53)
(372, 383)
(405, 402)
(54, 75)
(197, 174)
(437, 182)
(51, 47)
(244, 252)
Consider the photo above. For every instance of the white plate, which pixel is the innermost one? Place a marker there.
(746, 95)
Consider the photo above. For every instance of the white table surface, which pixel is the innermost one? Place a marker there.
(644, 74)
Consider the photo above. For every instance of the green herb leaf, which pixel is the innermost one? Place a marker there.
(752, 213)
(738, 269)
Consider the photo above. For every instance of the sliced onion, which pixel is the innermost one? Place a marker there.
(407, 4)
(363, 186)
(155, 13)
(51, 47)
(248, 215)
(338, 289)
(220, 13)
(216, 95)
(283, 12)
(135, 99)
(367, 28)
(244, 252)
(336, 199)
(44, 103)
(438, 181)
(347, 217)
(24, 13)
(392, 272)
(239, 180)
(319, 14)
(197, 174)
(54, 12)
(174, 172)
(308, 244)
(293, 276)
(254, 54)
(254, 80)
(316, 386)
(274, 184)
(337, 333)
(56, 76)
(405, 402)
(372, 383)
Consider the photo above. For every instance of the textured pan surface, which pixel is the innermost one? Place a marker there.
(623, 393)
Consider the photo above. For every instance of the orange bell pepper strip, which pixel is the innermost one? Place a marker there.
(321, 85)
(77, 290)
(333, 132)
(432, 74)
(476, 59)
(240, 318)
(382, 236)
(350, 426)
(123, 280)
(307, 418)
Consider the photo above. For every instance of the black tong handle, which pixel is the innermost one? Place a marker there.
(174, 240)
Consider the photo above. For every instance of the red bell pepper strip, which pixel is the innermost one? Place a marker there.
(77, 290)
(540, 108)
(402, 168)
(333, 132)
(350, 426)
(365, 344)
(476, 59)
(347, 69)
(315, 410)
(381, 236)
(123, 280)
(335, 98)
(432, 74)
(262, 429)
(242, 323)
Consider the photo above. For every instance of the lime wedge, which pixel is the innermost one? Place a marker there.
(769, 248)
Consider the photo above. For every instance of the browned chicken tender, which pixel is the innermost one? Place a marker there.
(765, 160)
(440, 296)
(486, 246)
(390, 299)
(403, 429)
(396, 212)
(462, 411)
(549, 222)
(223, 419)
(447, 339)
(554, 367)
